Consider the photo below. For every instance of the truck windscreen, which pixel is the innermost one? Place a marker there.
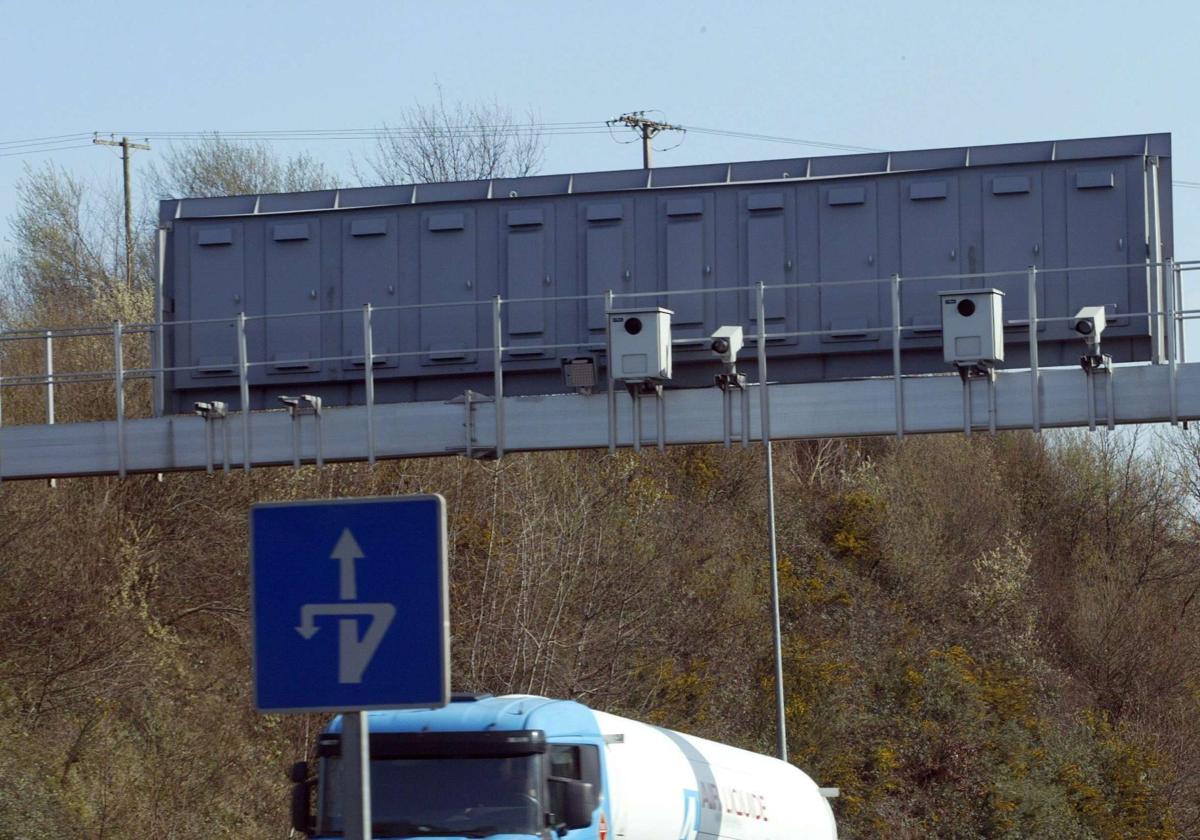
(430, 797)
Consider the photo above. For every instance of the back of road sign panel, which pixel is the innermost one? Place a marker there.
(545, 242)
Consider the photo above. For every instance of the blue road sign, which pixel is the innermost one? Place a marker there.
(349, 604)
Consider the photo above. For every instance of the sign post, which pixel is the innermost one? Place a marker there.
(375, 568)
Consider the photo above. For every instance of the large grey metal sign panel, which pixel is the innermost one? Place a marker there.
(433, 256)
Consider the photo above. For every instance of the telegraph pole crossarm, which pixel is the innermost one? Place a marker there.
(126, 147)
(646, 128)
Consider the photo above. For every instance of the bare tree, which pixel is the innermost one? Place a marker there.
(216, 165)
(453, 142)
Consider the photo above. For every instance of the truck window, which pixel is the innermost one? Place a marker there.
(467, 796)
(572, 761)
(575, 761)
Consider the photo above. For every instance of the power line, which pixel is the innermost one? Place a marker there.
(5, 154)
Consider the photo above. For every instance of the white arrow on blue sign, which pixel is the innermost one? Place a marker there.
(350, 604)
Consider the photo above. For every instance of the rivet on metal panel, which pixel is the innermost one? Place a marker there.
(312, 294)
(628, 274)
(787, 265)
(870, 259)
(391, 289)
(237, 298)
(953, 254)
(708, 269)
(548, 280)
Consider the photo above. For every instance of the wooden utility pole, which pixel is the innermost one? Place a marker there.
(126, 148)
(646, 128)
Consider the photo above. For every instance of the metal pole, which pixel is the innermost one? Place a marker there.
(1168, 274)
(1034, 373)
(612, 385)
(369, 374)
(158, 341)
(1179, 304)
(1090, 388)
(50, 388)
(356, 775)
(49, 378)
(896, 357)
(498, 372)
(967, 419)
(992, 402)
(777, 632)
(244, 386)
(727, 415)
(660, 414)
(636, 396)
(745, 418)
(119, 376)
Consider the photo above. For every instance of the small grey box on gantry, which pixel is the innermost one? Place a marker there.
(973, 327)
(640, 344)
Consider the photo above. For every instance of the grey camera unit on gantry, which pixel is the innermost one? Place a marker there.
(726, 343)
(1090, 322)
(973, 327)
(640, 345)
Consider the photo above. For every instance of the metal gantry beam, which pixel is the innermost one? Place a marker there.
(933, 404)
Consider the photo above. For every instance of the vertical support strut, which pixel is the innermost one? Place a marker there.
(498, 372)
(244, 387)
(1034, 373)
(369, 380)
(1169, 332)
(765, 420)
(49, 377)
(612, 384)
(356, 760)
(896, 357)
(158, 339)
(660, 415)
(119, 376)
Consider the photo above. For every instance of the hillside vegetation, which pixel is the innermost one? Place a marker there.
(986, 638)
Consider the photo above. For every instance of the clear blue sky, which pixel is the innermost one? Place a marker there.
(887, 75)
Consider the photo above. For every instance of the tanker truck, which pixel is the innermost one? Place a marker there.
(519, 767)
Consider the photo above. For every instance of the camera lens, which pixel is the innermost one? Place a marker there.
(720, 345)
(966, 307)
(1084, 326)
(633, 326)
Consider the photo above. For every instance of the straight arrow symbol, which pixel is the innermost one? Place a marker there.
(346, 552)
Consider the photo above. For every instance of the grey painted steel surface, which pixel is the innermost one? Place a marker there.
(1140, 394)
(450, 248)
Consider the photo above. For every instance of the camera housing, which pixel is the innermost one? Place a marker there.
(1090, 322)
(639, 344)
(973, 327)
(726, 343)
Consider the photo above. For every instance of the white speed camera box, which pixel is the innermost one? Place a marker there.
(639, 341)
(973, 326)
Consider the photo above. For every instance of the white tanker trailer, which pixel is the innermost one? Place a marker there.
(520, 767)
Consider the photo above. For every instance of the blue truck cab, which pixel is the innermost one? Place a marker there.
(499, 767)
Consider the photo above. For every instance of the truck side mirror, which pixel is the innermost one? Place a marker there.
(302, 819)
(579, 803)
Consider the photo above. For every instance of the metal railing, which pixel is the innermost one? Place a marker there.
(1167, 322)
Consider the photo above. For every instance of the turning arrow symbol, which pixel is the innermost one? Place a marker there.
(354, 653)
(346, 552)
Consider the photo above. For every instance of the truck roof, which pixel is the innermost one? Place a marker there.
(487, 713)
